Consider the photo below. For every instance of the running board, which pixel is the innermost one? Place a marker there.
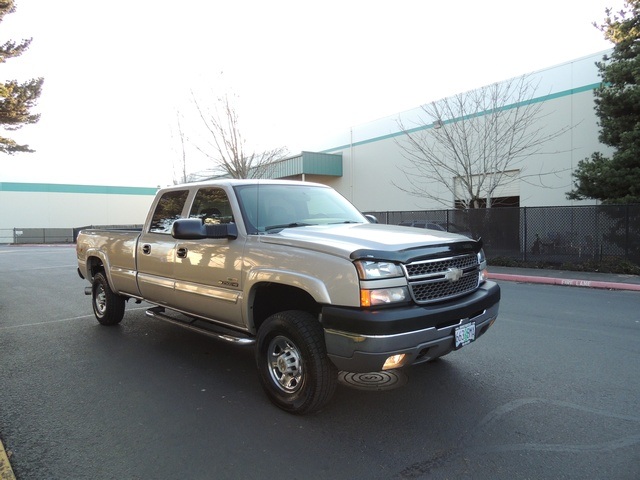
(196, 325)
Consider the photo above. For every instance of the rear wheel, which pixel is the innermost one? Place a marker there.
(294, 369)
(108, 306)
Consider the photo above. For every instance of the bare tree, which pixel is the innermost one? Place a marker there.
(180, 174)
(473, 143)
(225, 145)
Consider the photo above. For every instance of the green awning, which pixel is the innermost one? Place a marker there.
(307, 163)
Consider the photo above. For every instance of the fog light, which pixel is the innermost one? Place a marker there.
(394, 361)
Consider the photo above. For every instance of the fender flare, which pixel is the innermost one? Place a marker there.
(313, 286)
(100, 255)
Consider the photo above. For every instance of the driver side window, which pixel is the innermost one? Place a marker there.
(212, 206)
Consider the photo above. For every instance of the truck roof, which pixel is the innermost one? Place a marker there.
(232, 182)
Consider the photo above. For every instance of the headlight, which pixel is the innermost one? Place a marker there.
(369, 270)
(383, 296)
(482, 260)
(482, 266)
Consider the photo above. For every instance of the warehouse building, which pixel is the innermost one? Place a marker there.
(373, 161)
(43, 212)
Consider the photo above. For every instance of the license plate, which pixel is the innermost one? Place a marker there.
(465, 334)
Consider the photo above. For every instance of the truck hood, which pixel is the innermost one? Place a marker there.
(375, 241)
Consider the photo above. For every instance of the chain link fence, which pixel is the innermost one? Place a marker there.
(531, 234)
(42, 235)
(539, 234)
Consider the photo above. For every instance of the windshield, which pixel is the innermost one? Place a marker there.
(268, 208)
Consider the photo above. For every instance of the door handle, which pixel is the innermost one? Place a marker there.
(146, 249)
(182, 252)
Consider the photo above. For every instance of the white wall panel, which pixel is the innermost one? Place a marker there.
(67, 210)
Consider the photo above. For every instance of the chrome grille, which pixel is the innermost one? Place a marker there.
(439, 266)
(435, 280)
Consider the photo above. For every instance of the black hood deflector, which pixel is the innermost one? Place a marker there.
(419, 253)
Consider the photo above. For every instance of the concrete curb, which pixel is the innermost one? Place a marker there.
(565, 282)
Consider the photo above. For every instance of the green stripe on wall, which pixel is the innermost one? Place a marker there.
(68, 188)
(551, 96)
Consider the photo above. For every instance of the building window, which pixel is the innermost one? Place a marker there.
(504, 188)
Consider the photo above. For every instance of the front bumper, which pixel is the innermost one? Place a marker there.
(361, 340)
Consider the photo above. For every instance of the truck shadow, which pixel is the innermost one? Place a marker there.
(161, 350)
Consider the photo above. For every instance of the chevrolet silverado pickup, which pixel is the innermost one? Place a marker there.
(296, 271)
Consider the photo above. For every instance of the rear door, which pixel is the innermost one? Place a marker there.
(156, 251)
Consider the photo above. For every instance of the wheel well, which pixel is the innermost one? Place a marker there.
(94, 265)
(270, 298)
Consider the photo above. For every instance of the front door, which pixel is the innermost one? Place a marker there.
(208, 272)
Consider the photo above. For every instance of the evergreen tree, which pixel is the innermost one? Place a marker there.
(616, 179)
(16, 98)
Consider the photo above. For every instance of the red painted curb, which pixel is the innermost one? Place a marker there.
(565, 282)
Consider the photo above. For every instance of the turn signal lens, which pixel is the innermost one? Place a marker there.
(482, 266)
(383, 296)
(484, 274)
(365, 298)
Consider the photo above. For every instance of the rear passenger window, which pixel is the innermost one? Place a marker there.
(168, 210)
(212, 206)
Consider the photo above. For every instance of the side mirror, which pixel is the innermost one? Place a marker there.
(194, 229)
(371, 218)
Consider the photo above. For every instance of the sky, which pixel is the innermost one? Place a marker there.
(118, 73)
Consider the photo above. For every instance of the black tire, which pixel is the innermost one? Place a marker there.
(108, 307)
(294, 369)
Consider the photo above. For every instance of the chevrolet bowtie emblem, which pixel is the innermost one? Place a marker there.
(453, 274)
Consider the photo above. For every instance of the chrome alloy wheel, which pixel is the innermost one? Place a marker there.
(100, 300)
(285, 364)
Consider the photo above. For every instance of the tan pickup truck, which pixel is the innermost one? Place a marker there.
(297, 271)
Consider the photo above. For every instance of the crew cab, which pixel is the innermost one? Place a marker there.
(298, 273)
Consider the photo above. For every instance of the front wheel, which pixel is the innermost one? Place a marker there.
(294, 369)
(108, 306)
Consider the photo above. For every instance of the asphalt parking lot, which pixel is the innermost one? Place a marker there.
(551, 391)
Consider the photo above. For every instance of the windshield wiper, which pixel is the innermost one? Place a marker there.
(287, 225)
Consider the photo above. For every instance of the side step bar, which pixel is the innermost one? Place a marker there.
(196, 325)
